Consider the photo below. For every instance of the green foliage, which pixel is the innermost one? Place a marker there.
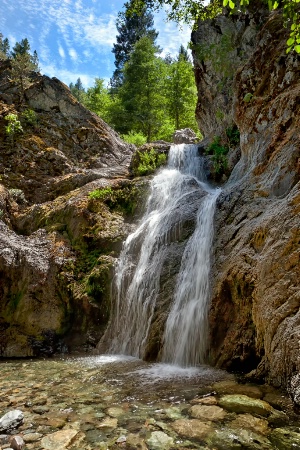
(233, 135)
(218, 152)
(4, 47)
(78, 90)
(190, 11)
(131, 28)
(123, 199)
(149, 161)
(101, 194)
(135, 138)
(29, 117)
(14, 126)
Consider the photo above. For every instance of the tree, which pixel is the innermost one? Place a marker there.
(193, 10)
(181, 91)
(98, 99)
(23, 64)
(141, 94)
(21, 48)
(4, 47)
(78, 90)
(131, 28)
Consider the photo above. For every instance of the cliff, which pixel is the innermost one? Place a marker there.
(254, 317)
(58, 243)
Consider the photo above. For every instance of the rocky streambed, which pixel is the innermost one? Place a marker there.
(108, 402)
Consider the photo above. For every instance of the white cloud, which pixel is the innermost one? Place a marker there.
(67, 76)
(73, 54)
(61, 51)
(171, 36)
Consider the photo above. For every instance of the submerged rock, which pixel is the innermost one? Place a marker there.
(159, 441)
(59, 440)
(285, 439)
(192, 428)
(244, 404)
(229, 439)
(214, 413)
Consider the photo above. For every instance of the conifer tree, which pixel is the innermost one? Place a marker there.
(130, 28)
(4, 47)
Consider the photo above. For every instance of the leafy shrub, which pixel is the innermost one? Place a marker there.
(29, 117)
(14, 126)
(122, 198)
(149, 162)
(137, 139)
(101, 194)
(218, 152)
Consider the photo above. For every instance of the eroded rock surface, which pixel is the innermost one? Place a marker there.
(254, 315)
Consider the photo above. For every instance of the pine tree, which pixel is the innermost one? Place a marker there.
(23, 64)
(4, 47)
(141, 94)
(131, 29)
(78, 90)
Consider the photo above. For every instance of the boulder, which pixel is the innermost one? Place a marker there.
(185, 136)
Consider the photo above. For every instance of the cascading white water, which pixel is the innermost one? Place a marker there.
(138, 274)
(186, 332)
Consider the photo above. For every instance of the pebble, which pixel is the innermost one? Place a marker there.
(17, 443)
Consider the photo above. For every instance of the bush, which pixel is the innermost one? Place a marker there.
(218, 153)
(137, 139)
(29, 117)
(123, 199)
(149, 162)
(14, 126)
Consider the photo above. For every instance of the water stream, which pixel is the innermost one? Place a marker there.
(138, 280)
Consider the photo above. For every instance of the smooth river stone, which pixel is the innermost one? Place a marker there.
(231, 387)
(229, 439)
(192, 428)
(248, 421)
(159, 441)
(59, 440)
(205, 412)
(114, 411)
(245, 404)
(204, 401)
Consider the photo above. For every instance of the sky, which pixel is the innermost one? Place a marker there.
(74, 38)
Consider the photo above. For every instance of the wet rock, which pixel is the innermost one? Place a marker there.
(184, 136)
(214, 413)
(32, 437)
(59, 440)
(115, 412)
(249, 421)
(205, 401)
(173, 413)
(285, 439)
(4, 439)
(159, 441)
(121, 440)
(40, 409)
(229, 439)
(11, 420)
(109, 423)
(245, 404)
(192, 428)
(17, 443)
(134, 441)
(231, 387)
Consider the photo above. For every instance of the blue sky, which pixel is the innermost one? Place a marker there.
(74, 38)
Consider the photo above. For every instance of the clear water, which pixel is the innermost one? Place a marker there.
(138, 274)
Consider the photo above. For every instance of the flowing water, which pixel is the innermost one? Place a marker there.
(139, 272)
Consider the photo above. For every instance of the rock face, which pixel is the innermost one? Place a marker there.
(254, 318)
(57, 243)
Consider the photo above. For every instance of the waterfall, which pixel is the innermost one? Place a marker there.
(174, 192)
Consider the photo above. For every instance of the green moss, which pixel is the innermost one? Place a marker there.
(122, 198)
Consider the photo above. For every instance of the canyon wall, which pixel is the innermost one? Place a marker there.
(254, 317)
